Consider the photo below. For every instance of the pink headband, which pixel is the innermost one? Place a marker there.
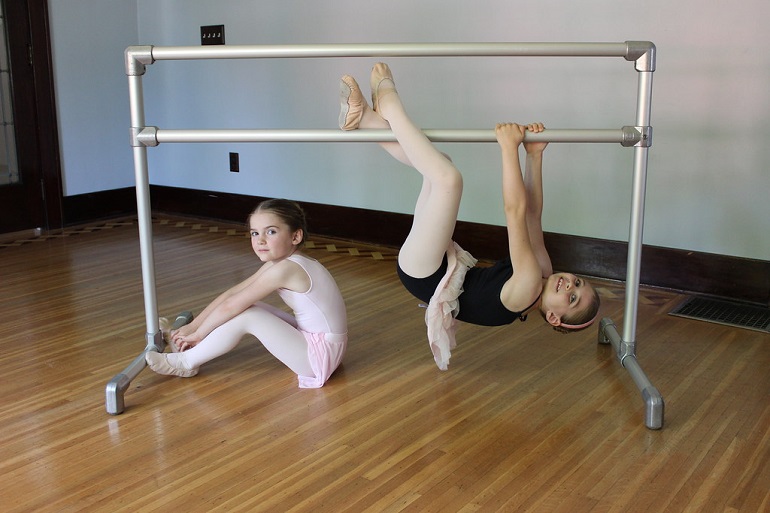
(579, 326)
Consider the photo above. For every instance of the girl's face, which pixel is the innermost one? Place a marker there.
(271, 238)
(564, 294)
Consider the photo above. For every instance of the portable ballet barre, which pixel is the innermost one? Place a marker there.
(638, 136)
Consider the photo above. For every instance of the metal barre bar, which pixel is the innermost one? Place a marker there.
(627, 136)
(624, 49)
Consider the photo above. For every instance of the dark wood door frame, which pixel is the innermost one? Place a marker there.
(37, 138)
(45, 100)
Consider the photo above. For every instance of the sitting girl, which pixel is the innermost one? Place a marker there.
(311, 342)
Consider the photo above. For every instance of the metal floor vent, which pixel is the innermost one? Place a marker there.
(725, 312)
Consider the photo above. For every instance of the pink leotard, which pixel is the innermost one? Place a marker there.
(321, 316)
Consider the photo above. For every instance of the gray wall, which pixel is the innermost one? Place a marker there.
(708, 165)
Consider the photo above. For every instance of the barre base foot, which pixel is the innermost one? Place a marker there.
(653, 401)
(117, 386)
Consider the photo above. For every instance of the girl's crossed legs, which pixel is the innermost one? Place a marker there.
(436, 210)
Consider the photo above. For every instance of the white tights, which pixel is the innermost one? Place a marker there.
(274, 328)
(435, 214)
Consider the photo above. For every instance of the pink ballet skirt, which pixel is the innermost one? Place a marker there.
(325, 351)
(444, 306)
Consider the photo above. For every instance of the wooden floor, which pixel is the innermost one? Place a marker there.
(525, 419)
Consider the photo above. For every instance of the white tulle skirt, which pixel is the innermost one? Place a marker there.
(444, 305)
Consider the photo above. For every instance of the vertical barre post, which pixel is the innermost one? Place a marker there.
(626, 347)
(117, 386)
(144, 215)
(636, 224)
(136, 59)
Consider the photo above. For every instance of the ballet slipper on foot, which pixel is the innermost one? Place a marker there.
(164, 323)
(352, 103)
(159, 363)
(381, 78)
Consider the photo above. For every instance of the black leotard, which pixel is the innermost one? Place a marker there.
(480, 300)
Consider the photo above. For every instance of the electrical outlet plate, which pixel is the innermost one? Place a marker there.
(212, 34)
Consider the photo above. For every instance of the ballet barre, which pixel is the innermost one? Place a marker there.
(641, 52)
(152, 136)
(637, 136)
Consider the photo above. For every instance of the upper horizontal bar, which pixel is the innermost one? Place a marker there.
(627, 49)
(151, 136)
(642, 52)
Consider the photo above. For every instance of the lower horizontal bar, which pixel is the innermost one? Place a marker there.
(151, 136)
(653, 401)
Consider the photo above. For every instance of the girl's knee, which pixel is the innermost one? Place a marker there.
(451, 179)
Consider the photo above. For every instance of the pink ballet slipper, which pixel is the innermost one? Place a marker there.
(160, 363)
(352, 103)
(380, 73)
(164, 323)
